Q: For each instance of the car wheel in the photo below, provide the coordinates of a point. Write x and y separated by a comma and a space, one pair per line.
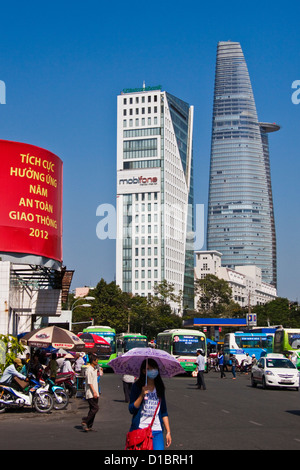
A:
253, 383
264, 385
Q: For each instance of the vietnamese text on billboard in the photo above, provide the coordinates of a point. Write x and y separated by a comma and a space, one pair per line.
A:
31, 200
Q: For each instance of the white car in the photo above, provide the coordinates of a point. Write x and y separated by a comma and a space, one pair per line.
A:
275, 370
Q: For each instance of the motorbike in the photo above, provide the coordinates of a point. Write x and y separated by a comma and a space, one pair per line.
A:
36, 397
60, 396
68, 381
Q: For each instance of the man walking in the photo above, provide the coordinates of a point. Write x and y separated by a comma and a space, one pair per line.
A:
200, 361
91, 393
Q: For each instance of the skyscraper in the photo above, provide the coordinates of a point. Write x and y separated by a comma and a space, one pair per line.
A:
240, 208
154, 192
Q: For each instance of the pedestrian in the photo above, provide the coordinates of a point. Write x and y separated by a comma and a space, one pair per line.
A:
200, 361
52, 367
91, 393
99, 375
66, 366
254, 360
35, 367
234, 364
294, 359
221, 363
79, 362
247, 363
127, 386
147, 393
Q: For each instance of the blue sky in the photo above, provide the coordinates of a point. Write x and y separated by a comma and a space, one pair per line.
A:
64, 63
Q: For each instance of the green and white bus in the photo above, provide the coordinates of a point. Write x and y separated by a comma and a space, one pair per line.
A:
287, 341
105, 354
183, 344
127, 341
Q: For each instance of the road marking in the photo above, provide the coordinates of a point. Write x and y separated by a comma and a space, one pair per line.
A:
254, 422
225, 411
298, 440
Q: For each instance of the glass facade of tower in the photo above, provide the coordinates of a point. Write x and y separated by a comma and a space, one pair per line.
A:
240, 208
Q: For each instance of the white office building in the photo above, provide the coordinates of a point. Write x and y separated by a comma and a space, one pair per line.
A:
154, 193
245, 281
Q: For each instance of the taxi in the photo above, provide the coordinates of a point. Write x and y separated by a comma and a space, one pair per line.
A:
275, 370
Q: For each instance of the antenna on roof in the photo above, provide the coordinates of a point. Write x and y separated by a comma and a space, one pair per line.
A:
144, 85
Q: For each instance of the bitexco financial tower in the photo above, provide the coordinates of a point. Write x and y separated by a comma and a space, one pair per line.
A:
240, 221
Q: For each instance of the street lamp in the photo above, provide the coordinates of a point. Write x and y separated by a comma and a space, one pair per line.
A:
81, 305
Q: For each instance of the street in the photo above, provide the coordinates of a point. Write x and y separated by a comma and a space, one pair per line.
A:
229, 415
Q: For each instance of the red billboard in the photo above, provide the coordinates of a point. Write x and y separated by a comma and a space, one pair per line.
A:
30, 200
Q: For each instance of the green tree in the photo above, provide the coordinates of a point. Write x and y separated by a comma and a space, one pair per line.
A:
214, 295
278, 312
164, 291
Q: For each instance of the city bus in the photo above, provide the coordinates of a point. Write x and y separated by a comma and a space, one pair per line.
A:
287, 341
183, 344
127, 341
109, 335
240, 343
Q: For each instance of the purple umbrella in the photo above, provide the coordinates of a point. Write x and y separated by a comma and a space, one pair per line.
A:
130, 362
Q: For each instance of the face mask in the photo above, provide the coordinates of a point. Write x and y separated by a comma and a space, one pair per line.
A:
152, 373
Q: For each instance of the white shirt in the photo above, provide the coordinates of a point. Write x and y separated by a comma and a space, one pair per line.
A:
91, 379
78, 363
200, 362
10, 372
67, 367
248, 359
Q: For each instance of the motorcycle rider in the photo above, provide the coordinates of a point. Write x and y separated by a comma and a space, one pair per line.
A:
12, 371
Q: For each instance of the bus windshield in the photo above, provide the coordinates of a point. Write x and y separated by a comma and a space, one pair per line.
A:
109, 337
130, 343
185, 345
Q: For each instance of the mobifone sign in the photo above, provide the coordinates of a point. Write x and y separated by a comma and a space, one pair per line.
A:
136, 181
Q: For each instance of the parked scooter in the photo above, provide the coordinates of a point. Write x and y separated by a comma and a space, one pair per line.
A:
60, 396
36, 397
68, 381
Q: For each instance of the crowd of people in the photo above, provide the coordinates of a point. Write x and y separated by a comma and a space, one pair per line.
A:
217, 362
39, 363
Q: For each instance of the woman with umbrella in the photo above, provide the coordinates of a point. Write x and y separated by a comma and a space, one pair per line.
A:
147, 396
